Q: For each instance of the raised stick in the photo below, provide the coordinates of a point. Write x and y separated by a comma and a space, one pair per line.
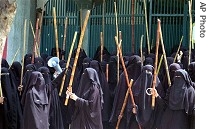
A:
127, 79
156, 62
123, 106
68, 61
180, 43
145, 14
77, 56
56, 32
20, 87
64, 37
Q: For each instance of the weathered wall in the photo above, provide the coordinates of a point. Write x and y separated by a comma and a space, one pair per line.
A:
26, 9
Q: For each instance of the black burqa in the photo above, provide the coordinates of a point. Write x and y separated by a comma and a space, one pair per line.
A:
180, 103
27, 59
171, 69
105, 54
88, 106
133, 70
35, 103
10, 111
66, 111
148, 117
26, 75
4, 63
85, 64
55, 116
39, 62
82, 55
16, 70
191, 71
106, 94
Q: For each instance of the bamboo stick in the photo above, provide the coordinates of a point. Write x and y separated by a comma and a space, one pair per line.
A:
141, 52
20, 87
107, 72
102, 45
190, 33
178, 49
77, 55
56, 32
36, 44
126, 77
64, 37
156, 61
124, 105
15, 56
146, 23
68, 61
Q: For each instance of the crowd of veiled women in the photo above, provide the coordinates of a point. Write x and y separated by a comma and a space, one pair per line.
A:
97, 93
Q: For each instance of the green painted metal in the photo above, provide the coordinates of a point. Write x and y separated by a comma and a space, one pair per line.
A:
172, 13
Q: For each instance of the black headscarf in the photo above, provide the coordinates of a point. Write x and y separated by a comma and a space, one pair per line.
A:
89, 104
191, 71
16, 70
82, 55
27, 59
26, 76
4, 63
44, 57
39, 62
106, 55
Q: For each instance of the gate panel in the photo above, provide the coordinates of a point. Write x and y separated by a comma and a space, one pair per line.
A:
48, 33
173, 14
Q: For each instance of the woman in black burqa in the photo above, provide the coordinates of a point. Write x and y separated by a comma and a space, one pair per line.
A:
148, 117
179, 103
88, 102
10, 110
35, 103
55, 116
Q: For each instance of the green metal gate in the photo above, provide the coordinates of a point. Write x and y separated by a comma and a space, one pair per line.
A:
172, 13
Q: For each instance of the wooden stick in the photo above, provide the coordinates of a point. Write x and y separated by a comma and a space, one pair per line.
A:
132, 26
36, 44
102, 45
126, 77
103, 24
64, 37
77, 56
160, 63
146, 23
56, 32
190, 33
141, 52
20, 87
123, 106
178, 49
35, 41
117, 34
40, 29
164, 56
15, 56
107, 72
156, 61
68, 61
